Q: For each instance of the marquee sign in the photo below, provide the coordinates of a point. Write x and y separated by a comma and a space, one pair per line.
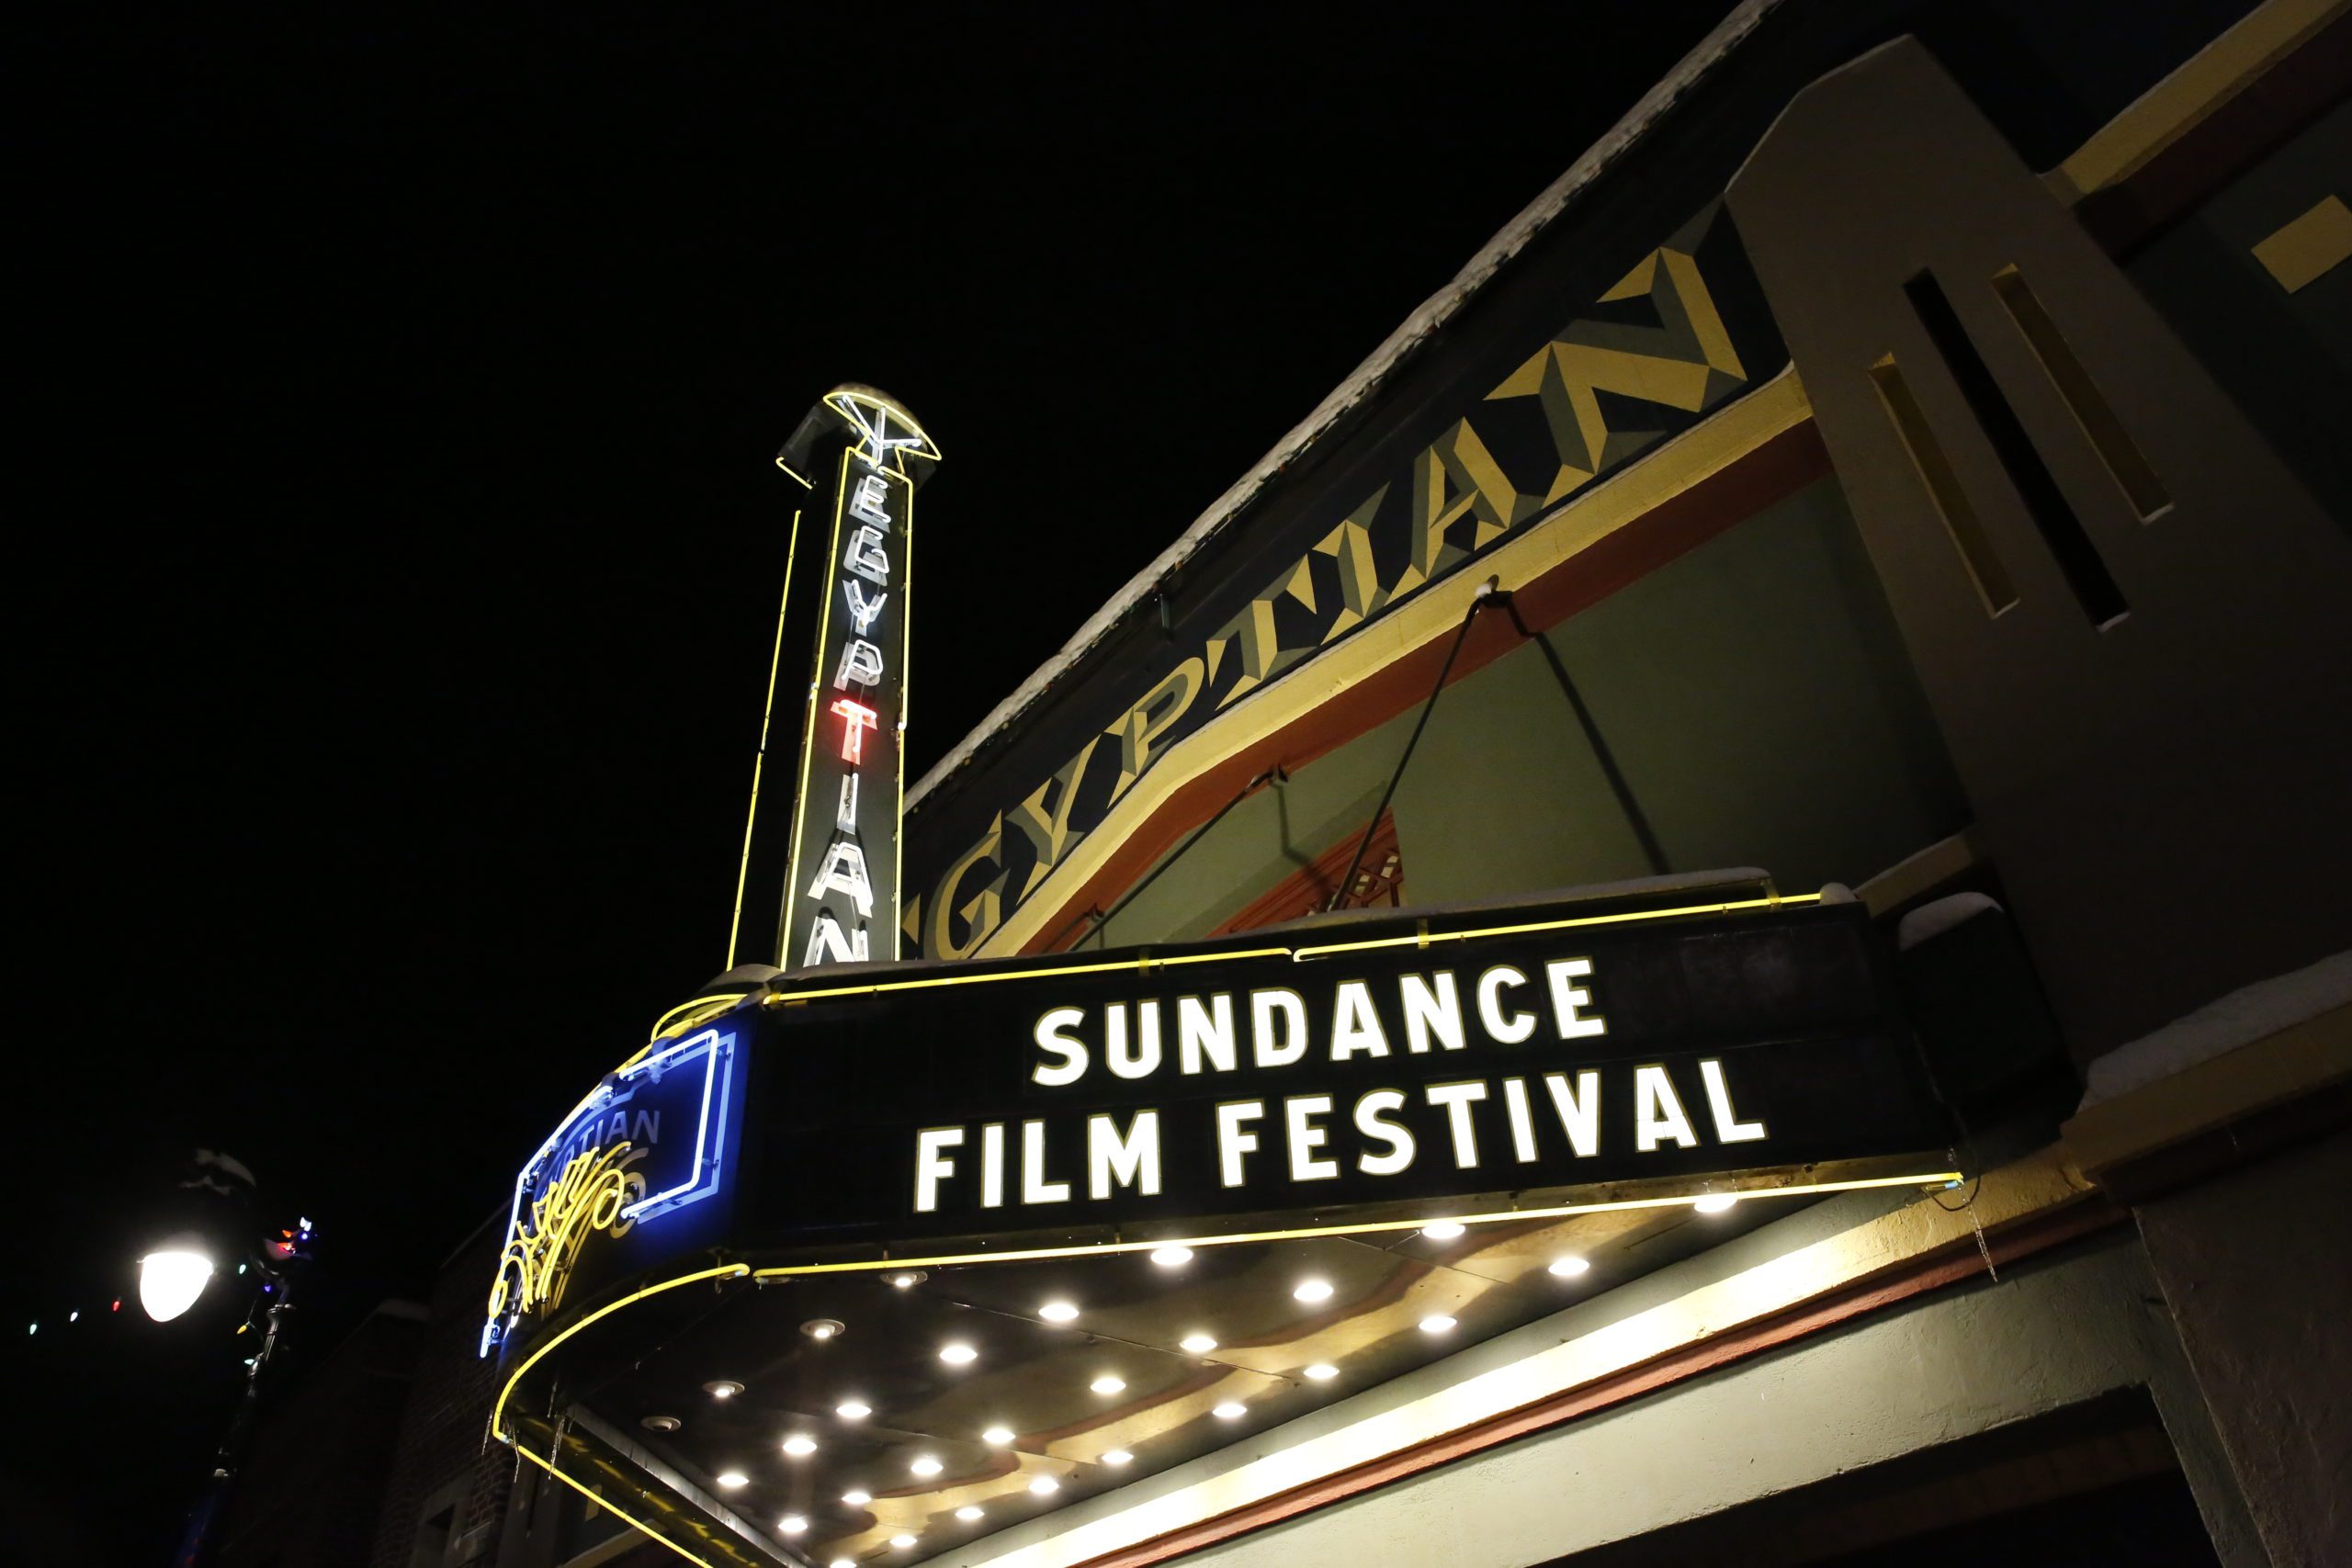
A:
841, 894
1371, 1072
1477, 1066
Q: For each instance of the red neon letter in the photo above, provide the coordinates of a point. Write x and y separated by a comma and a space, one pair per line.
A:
861, 719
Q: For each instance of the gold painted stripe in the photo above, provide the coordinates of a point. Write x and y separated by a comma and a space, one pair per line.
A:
2184, 100
1620, 499
2303, 252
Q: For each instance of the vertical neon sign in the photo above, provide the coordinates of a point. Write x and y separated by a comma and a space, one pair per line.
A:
841, 894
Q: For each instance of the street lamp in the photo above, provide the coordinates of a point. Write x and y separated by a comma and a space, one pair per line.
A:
170, 1278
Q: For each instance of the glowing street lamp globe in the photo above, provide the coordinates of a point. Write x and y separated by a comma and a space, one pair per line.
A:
170, 1280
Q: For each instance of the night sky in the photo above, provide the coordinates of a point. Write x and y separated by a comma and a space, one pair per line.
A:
397, 537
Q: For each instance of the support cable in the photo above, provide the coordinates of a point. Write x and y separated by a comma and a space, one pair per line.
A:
1485, 595
1103, 917
1600, 752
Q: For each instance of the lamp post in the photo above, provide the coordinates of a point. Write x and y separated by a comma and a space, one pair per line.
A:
210, 1220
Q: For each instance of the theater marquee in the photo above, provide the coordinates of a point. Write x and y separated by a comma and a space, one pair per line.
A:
1371, 1073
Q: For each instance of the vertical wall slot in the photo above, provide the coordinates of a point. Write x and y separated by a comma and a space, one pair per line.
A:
2078, 558
2105, 433
1936, 476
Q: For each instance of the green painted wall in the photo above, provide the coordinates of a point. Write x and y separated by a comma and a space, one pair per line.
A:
1755, 693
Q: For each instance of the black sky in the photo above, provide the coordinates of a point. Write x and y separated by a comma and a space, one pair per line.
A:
397, 541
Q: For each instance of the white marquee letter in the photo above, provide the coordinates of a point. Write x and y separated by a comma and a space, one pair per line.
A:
1144, 1060
1205, 1034
1051, 1034
865, 556
1658, 1111
1508, 1030
1580, 1110
1263, 1005
932, 1163
1305, 1137
1729, 1128
1355, 1028
1567, 999
1034, 1188
1233, 1140
1432, 1013
1131, 1161
862, 609
860, 665
1372, 1111
1457, 1098
827, 946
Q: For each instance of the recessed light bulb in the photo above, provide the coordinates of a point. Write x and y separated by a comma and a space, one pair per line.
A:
842, 1562
1714, 1202
1230, 1411
1107, 1383
957, 1354
1444, 1229
722, 1389
1436, 1323
1197, 1344
926, 1465
1171, 1257
1117, 1456
857, 1496
852, 1410
1568, 1268
1313, 1291
1045, 1487
1057, 1311
733, 1479
906, 1281
997, 1436
792, 1524
801, 1445
971, 1511
902, 1541
1322, 1371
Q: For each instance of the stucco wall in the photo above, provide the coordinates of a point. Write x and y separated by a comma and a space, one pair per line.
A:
2258, 1268
2046, 1337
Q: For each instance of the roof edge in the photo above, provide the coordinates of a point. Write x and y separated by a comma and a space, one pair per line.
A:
1368, 377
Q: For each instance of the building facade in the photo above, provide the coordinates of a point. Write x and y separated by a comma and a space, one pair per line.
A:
1897, 472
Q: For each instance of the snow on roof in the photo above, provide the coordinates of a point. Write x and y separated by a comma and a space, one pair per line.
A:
1369, 378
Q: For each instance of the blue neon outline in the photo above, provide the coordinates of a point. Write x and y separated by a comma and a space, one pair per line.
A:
710, 1152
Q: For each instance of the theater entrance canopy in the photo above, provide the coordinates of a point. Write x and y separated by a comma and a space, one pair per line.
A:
878, 1259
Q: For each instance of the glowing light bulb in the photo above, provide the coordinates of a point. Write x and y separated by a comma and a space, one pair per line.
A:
1171, 1257
852, 1410
1107, 1383
971, 1511
1045, 1487
169, 1282
1322, 1371
926, 1465
1436, 1323
1231, 1410
801, 1445
792, 1524
903, 1540
1312, 1290
734, 1478
1057, 1311
1444, 1229
997, 1436
957, 1354
1117, 1456
1714, 1202
1197, 1344
857, 1496
1568, 1268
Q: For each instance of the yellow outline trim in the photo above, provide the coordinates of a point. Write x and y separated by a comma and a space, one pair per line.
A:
760, 757
731, 1270
616, 1510
1924, 1179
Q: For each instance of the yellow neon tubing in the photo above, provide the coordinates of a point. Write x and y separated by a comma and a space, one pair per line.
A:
1147, 962
1924, 1178
634, 1523
732, 1270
